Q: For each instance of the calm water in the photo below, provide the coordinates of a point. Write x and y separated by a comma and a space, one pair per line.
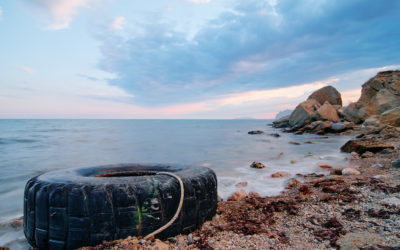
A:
32, 147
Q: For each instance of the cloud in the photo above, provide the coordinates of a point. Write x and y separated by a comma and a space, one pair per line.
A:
1, 11
198, 1
256, 45
61, 12
118, 23
27, 69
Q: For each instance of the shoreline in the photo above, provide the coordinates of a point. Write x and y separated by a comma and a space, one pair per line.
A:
348, 211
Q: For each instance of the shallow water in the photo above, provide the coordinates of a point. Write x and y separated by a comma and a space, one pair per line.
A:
32, 147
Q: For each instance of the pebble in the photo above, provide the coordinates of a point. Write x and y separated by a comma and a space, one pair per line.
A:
350, 171
257, 164
377, 166
294, 142
396, 164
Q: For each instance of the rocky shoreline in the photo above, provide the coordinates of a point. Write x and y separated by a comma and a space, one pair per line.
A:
351, 207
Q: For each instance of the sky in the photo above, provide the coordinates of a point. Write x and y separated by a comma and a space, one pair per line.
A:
187, 59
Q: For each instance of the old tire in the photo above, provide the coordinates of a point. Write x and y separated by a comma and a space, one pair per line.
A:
71, 208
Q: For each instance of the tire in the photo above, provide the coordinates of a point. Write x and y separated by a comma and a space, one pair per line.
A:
71, 208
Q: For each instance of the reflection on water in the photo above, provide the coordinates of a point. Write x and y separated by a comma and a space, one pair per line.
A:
32, 147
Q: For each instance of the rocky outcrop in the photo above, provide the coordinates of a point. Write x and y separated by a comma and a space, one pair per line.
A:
304, 112
362, 145
281, 122
391, 117
378, 95
327, 94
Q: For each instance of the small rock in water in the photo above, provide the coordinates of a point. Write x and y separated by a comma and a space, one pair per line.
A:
377, 166
337, 126
392, 202
367, 155
292, 161
325, 166
350, 171
238, 195
275, 135
336, 171
253, 194
292, 183
17, 222
257, 164
280, 154
280, 174
241, 184
294, 142
255, 132
308, 142
396, 164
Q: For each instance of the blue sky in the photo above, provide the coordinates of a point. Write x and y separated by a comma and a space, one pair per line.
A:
187, 58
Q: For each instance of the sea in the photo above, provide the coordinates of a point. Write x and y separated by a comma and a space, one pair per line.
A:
31, 147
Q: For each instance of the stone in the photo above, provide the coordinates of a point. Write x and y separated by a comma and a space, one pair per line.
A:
280, 174
391, 202
359, 240
336, 171
352, 113
295, 143
253, 194
258, 165
396, 164
387, 151
275, 135
355, 155
292, 183
241, 184
328, 93
350, 171
373, 120
238, 195
391, 117
367, 155
362, 145
377, 165
303, 113
282, 122
326, 112
324, 166
158, 244
283, 113
338, 126
255, 132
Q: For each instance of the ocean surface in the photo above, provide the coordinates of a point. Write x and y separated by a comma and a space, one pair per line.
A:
32, 147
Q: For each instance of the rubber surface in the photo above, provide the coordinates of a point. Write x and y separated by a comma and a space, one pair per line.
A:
71, 208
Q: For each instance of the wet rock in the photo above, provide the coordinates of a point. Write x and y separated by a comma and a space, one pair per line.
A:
281, 122
350, 171
303, 113
354, 156
280, 174
253, 194
238, 195
362, 145
275, 135
377, 166
255, 132
391, 117
258, 165
396, 164
359, 240
17, 222
336, 171
367, 155
292, 183
324, 166
295, 143
392, 202
327, 93
326, 112
241, 184
309, 142
293, 161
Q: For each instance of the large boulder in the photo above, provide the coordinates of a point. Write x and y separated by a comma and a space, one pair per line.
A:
363, 145
380, 94
391, 117
327, 112
327, 93
282, 122
303, 113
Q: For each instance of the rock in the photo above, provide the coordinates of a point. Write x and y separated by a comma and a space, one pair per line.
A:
373, 120
362, 145
391, 117
257, 164
283, 113
303, 113
367, 155
391, 202
241, 184
396, 164
355, 156
326, 112
324, 166
280, 174
292, 183
158, 244
327, 93
359, 240
16, 223
352, 112
238, 195
253, 194
386, 151
189, 239
336, 171
281, 122
350, 171
309, 142
377, 166
338, 126
275, 135
292, 161
295, 143
255, 132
